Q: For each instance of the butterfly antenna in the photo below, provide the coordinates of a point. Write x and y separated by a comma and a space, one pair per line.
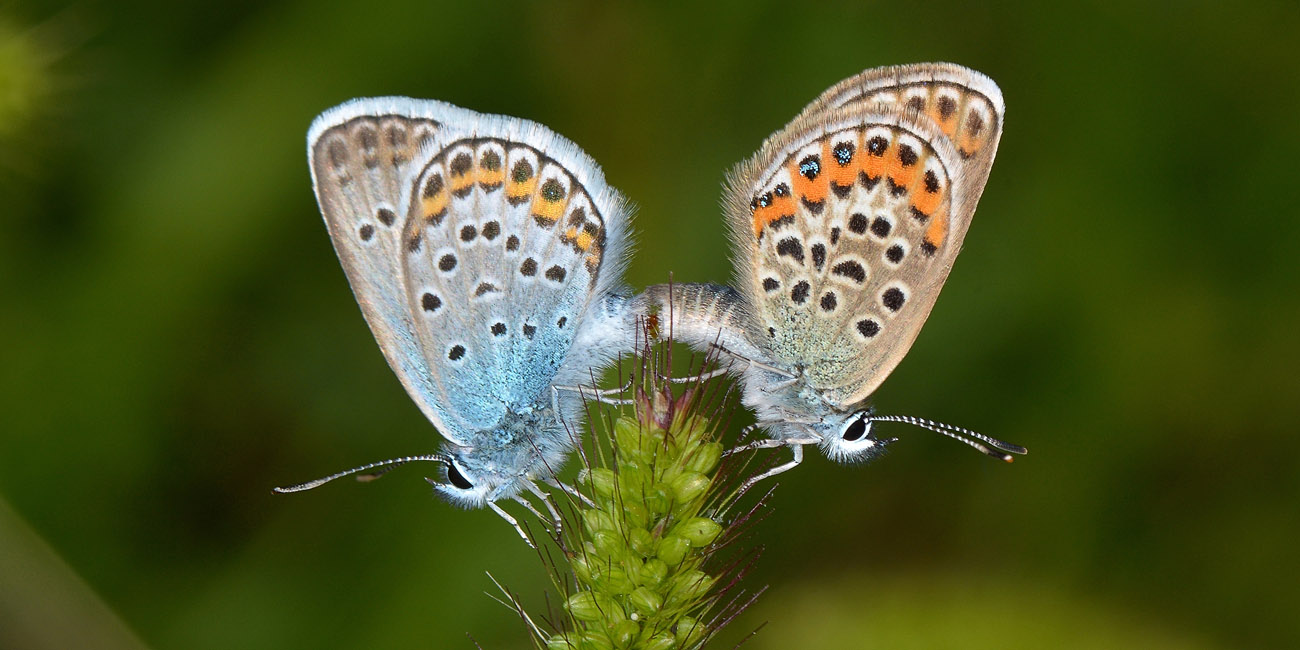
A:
985, 444
382, 467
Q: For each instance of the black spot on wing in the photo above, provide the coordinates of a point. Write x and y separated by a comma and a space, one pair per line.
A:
790, 247
858, 223
880, 227
947, 106
800, 292
868, 327
893, 299
850, 269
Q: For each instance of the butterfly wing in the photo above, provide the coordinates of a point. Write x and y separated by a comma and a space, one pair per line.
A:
847, 222
476, 255
965, 104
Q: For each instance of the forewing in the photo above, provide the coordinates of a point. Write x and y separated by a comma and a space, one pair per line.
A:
511, 238
475, 251
362, 155
964, 104
846, 225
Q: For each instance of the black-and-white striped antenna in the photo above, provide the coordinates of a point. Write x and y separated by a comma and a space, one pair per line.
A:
985, 444
365, 474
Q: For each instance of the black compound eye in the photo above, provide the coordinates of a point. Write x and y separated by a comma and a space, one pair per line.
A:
855, 430
457, 479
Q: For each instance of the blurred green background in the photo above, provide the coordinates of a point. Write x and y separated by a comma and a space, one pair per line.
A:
177, 336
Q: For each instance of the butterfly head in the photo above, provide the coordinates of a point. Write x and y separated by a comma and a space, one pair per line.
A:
507, 459
849, 437
474, 477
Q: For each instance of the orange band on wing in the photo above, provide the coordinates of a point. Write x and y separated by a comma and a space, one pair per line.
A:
847, 174
461, 174
490, 178
778, 207
434, 206
548, 210
872, 165
812, 189
517, 190
938, 229
926, 202
902, 175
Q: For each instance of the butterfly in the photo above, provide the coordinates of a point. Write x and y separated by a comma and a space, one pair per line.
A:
844, 227
485, 252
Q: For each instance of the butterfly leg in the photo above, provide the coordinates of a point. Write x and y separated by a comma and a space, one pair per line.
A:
795, 447
702, 377
511, 520
771, 443
755, 364
557, 523
599, 395
571, 491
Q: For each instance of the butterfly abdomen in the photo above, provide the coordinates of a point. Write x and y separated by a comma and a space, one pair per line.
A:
699, 315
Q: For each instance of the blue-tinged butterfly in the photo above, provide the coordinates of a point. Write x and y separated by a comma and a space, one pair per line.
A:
485, 252
845, 225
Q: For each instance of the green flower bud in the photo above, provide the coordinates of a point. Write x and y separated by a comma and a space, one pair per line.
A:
592, 640
641, 541
624, 633
645, 601
658, 499
689, 586
592, 606
705, 458
627, 433
615, 581
594, 520
653, 573
661, 641
689, 486
689, 631
601, 480
581, 564
560, 642
672, 549
608, 544
699, 531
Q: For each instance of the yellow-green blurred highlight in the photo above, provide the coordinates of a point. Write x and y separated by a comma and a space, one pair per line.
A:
25, 87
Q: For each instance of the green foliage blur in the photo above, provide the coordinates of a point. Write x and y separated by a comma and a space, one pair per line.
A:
177, 337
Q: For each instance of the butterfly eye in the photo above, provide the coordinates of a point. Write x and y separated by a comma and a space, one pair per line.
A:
457, 479
855, 430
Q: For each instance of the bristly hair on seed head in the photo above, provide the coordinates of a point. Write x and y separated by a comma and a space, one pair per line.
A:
655, 498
